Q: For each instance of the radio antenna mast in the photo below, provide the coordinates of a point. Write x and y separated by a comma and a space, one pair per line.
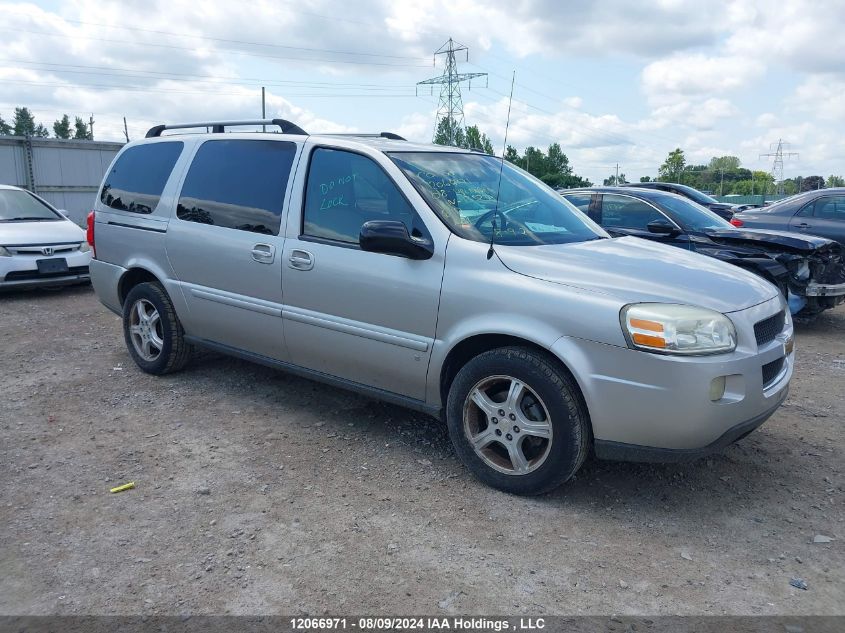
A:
490, 251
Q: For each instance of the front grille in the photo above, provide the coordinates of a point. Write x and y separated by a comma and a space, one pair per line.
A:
26, 275
39, 250
766, 330
771, 371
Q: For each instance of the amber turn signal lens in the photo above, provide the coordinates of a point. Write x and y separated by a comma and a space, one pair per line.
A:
652, 326
647, 339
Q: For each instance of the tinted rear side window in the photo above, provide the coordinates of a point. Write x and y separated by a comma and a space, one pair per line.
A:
238, 185
137, 179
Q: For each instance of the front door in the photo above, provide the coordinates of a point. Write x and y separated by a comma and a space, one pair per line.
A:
364, 317
824, 216
225, 244
625, 215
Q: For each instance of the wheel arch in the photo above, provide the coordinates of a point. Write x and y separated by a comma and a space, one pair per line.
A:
467, 349
131, 278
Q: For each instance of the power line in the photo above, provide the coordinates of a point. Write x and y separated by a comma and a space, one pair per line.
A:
41, 84
157, 74
229, 50
245, 42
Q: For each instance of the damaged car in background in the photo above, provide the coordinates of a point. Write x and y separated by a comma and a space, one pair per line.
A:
809, 270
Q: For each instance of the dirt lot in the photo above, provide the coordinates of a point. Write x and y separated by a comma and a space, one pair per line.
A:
258, 492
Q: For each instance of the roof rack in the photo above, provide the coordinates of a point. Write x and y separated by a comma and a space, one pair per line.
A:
218, 127
391, 135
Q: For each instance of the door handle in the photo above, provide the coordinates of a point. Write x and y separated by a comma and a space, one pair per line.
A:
804, 225
264, 253
301, 260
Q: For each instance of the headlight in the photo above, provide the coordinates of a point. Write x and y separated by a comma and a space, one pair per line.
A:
84, 247
4, 252
677, 329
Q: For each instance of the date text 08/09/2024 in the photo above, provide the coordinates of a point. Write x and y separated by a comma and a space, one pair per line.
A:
417, 624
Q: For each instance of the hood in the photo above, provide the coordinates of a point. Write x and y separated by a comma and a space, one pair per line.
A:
634, 270
772, 240
49, 232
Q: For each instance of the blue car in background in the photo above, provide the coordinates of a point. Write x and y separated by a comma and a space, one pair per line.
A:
808, 270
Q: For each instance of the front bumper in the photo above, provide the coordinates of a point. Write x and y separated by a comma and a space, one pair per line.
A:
648, 404
825, 290
21, 271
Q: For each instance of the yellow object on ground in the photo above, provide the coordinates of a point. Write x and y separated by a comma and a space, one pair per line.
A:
128, 486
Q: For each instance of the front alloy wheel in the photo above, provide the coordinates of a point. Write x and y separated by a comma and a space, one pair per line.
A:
517, 420
507, 425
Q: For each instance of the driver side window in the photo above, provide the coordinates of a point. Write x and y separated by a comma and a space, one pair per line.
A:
344, 191
627, 213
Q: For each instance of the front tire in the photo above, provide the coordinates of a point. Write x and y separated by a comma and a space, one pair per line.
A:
154, 336
517, 421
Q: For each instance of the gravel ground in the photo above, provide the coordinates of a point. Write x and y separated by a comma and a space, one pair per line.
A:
262, 493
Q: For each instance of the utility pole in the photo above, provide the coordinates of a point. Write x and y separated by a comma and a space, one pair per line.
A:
722, 182
263, 111
777, 154
616, 182
125, 130
91, 126
451, 106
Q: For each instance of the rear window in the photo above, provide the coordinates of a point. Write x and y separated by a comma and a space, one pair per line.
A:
137, 179
238, 184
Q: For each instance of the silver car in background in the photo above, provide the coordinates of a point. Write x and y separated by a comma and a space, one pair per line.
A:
442, 280
39, 246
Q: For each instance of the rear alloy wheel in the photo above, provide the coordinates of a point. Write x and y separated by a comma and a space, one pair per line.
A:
154, 336
517, 420
145, 330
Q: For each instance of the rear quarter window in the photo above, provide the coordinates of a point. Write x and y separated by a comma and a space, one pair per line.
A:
137, 179
238, 184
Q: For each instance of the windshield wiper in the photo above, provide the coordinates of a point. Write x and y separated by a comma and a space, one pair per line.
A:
26, 219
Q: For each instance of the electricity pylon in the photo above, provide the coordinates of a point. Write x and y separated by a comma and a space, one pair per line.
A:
451, 106
776, 153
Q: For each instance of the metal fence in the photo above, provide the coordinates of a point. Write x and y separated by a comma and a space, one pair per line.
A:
66, 173
750, 199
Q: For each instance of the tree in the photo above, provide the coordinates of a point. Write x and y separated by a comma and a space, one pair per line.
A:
674, 165
835, 181
645, 178
511, 155
612, 180
81, 130
24, 124
5, 128
724, 163
476, 139
61, 128
812, 182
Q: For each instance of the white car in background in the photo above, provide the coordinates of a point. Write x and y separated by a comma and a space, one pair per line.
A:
39, 246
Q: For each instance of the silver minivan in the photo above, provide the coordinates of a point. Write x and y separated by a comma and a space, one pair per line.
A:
439, 279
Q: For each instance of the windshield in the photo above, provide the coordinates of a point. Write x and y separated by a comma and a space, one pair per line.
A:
462, 190
20, 206
691, 216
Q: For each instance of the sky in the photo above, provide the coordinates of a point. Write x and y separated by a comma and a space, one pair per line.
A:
612, 81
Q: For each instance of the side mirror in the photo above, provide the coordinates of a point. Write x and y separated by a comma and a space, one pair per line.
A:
662, 227
392, 238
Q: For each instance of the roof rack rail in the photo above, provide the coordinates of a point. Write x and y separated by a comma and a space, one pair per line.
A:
218, 127
391, 135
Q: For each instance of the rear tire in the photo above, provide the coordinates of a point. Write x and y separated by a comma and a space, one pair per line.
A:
517, 421
154, 336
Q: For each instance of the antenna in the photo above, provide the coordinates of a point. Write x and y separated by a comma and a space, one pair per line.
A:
490, 251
